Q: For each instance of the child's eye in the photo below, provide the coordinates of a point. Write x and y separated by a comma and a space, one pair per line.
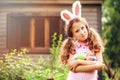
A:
77, 31
82, 27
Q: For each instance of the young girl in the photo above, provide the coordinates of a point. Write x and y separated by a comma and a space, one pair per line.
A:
83, 48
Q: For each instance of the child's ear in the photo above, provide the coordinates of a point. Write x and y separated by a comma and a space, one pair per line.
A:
76, 9
66, 15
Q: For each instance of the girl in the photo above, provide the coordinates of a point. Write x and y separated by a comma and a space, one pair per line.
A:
83, 48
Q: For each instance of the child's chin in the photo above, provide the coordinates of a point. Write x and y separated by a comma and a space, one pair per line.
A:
82, 40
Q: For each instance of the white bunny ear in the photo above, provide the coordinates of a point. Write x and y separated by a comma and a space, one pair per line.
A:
76, 8
66, 16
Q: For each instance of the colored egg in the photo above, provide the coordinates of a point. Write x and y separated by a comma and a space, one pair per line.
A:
89, 58
90, 54
81, 56
94, 58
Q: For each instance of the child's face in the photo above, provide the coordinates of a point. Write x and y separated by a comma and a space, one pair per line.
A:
79, 31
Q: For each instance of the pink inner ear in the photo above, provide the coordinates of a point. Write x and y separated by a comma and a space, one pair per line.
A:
77, 10
66, 16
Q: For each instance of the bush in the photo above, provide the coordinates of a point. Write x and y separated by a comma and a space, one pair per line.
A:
17, 66
60, 72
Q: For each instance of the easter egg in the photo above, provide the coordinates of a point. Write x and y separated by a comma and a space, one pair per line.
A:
90, 54
81, 56
89, 58
94, 58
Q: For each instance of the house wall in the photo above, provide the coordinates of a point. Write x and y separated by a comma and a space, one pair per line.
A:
91, 10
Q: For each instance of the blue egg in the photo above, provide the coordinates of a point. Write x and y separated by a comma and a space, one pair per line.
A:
94, 58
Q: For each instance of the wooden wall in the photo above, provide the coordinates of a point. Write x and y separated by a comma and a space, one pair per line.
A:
91, 10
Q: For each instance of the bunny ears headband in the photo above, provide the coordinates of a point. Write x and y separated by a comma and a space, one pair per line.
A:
67, 16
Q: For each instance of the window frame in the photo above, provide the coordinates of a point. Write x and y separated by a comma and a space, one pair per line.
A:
46, 32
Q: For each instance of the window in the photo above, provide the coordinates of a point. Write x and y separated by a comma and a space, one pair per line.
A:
32, 32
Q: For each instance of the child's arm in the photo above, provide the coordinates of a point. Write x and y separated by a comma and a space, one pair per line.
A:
73, 63
77, 65
87, 68
80, 62
84, 66
99, 57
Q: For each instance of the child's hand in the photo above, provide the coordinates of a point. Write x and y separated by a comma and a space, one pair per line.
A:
99, 65
73, 64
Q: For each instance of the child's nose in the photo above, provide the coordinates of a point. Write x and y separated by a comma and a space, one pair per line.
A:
81, 32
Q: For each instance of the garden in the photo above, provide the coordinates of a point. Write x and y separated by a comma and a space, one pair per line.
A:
17, 66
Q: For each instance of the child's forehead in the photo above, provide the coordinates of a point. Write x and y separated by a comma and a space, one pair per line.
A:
78, 24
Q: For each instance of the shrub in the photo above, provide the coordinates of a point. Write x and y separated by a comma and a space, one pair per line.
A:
60, 72
17, 66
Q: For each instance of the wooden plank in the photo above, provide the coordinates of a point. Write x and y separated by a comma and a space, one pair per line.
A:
89, 8
50, 1
47, 32
32, 33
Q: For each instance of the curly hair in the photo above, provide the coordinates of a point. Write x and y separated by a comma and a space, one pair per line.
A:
67, 48
94, 41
